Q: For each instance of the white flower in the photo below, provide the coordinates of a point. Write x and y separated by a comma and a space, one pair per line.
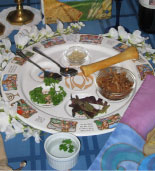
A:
25, 32
7, 55
34, 33
10, 110
7, 43
36, 135
146, 48
112, 33
81, 24
25, 29
75, 25
150, 50
123, 35
5, 125
136, 38
49, 32
46, 32
27, 133
10, 133
18, 127
21, 40
4, 64
60, 28
4, 121
2, 50
69, 30
42, 33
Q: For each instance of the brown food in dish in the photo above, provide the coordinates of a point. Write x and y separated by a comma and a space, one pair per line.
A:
129, 53
113, 85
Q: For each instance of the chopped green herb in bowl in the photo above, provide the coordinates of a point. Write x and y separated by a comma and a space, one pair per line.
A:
67, 146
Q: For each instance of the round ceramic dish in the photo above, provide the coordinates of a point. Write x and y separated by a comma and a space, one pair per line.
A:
76, 55
19, 78
115, 83
59, 159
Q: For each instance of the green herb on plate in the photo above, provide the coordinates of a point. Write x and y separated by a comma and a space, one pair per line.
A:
53, 96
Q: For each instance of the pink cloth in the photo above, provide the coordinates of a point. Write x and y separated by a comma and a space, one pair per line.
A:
140, 114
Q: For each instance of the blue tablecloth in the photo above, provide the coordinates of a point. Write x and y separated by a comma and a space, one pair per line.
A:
18, 150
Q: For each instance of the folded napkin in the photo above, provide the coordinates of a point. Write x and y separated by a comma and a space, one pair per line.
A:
3, 158
124, 148
140, 114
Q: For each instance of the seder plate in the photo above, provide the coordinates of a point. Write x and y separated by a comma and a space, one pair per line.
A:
20, 77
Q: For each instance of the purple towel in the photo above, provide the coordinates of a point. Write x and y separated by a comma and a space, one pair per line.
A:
140, 114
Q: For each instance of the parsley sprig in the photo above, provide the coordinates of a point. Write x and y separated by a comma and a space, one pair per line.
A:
53, 96
67, 145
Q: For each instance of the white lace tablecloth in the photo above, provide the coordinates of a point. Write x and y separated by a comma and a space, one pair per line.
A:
9, 27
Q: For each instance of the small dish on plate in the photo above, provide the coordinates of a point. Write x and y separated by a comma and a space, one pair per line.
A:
115, 83
76, 55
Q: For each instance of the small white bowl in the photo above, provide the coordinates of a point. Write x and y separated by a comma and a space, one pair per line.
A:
59, 159
76, 55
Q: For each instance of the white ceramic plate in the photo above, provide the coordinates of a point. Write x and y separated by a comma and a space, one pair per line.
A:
59, 118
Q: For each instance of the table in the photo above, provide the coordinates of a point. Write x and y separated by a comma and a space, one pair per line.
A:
18, 150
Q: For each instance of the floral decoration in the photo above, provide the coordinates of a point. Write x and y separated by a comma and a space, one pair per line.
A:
9, 121
30, 35
134, 39
5, 53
